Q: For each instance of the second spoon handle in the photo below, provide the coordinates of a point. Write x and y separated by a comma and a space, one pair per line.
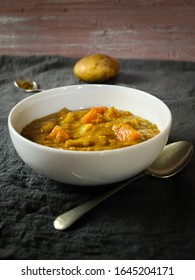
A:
68, 218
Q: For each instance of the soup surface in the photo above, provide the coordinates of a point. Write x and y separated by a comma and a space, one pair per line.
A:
93, 129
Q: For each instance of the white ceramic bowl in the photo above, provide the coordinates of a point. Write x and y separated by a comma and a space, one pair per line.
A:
93, 167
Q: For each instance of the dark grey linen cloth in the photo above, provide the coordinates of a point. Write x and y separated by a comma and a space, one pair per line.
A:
150, 219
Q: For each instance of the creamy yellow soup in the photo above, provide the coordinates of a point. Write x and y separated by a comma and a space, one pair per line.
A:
93, 129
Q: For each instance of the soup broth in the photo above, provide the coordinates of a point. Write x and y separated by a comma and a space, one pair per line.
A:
93, 129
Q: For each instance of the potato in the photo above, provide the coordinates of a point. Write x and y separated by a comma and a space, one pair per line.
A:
96, 68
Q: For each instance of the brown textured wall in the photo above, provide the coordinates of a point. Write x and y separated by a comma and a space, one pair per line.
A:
151, 29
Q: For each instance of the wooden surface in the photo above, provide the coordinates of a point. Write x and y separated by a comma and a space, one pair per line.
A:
151, 29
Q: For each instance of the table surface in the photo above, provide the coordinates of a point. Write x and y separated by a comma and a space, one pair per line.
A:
150, 219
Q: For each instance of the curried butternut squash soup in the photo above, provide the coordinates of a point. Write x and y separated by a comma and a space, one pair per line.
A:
94, 129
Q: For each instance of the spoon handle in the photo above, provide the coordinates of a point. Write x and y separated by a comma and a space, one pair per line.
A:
68, 218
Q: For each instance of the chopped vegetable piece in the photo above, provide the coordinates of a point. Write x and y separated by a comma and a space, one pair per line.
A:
83, 129
113, 113
73, 143
59, 134
125, 132
92, 117
99, 110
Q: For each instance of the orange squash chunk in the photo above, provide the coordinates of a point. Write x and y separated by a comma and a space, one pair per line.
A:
99, 110
125, 132
94, 116
59, 134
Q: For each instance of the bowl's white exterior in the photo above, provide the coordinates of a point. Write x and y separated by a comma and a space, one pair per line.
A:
89, 168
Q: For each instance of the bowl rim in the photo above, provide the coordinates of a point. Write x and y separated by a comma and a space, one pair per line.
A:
55, 150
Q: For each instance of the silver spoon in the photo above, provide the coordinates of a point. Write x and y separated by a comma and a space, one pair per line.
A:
27, 85
171, 160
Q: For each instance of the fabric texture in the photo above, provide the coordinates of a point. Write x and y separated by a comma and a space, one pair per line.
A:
150, 219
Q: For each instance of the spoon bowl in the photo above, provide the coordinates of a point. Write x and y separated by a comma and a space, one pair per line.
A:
170, 161
27, 85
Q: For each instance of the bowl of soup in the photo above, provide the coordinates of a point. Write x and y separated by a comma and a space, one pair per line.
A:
89, 134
